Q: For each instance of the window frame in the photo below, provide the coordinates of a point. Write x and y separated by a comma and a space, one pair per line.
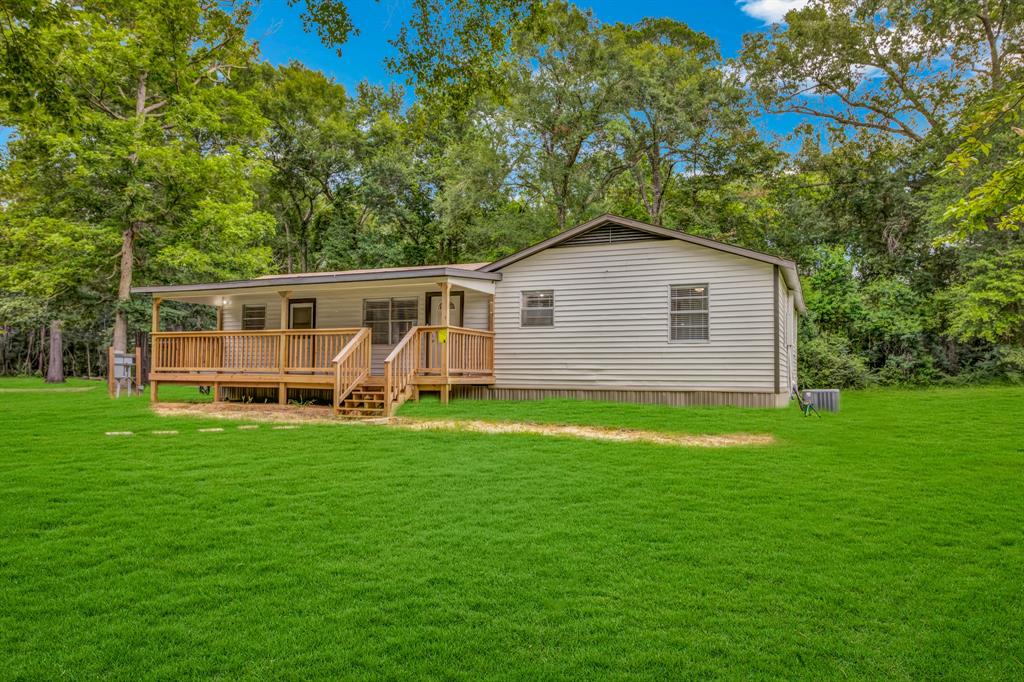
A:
707, 313
245, 308
391, 319
523, 295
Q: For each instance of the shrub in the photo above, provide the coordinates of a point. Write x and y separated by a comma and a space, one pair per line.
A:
826, 361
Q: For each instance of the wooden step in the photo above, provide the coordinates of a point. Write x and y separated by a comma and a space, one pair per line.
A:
365, 402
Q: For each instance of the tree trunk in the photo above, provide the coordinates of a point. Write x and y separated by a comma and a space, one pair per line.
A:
124, 285
55, 371
124, 288
42, 352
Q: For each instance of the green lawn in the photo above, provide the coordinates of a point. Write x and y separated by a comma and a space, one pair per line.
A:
883, 542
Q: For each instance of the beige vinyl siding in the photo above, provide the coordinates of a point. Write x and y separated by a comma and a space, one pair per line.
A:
791, 318
783, 325
341, 306
611, 326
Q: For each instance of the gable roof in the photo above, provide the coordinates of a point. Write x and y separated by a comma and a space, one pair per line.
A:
787, 267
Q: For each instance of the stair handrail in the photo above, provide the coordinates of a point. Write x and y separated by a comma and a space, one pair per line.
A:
400, 369
351, 366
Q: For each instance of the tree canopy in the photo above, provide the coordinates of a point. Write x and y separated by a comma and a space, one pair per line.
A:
152, 145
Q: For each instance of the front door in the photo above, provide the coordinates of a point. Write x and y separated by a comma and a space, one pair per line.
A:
302, 313
456, 305
455, 310
302, 348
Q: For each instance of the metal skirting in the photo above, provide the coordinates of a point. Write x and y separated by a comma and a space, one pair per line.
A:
674, 398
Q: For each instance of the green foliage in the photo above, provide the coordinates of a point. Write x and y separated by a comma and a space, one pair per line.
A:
529, 117
828, 361
989, 304
993, 142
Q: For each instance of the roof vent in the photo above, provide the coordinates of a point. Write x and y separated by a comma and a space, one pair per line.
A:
609, 233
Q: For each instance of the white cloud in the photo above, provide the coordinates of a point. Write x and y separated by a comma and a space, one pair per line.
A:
770, 11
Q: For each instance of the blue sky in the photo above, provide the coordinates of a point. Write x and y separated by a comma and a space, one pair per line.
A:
277, 28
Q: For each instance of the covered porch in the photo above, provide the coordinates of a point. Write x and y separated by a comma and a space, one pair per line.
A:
373, 338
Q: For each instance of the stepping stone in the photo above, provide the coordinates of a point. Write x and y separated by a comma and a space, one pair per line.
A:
284, 426
216, 430
164, 433
248, 427
120, 433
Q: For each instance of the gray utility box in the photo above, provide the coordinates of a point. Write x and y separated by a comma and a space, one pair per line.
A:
826, 399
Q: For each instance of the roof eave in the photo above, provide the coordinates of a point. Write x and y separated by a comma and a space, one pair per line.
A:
338, 278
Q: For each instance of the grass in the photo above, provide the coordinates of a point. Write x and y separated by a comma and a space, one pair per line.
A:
884, 541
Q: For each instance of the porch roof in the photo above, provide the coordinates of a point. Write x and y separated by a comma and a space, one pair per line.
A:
463, 270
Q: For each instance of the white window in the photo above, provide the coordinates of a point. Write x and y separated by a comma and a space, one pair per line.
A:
538, 308
389, 319
254, 317
688, 313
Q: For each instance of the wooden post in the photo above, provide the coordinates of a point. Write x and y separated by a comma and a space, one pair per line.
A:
110, 371
490, 313
138, 370
446, 297
220, 318
282, 387
155, 329
156, 314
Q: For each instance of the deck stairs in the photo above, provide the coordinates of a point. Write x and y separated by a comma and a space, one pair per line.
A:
365, 402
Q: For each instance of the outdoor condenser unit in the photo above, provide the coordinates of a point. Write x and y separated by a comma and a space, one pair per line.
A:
826, 399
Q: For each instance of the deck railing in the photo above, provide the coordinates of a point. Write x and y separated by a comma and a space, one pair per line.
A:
298, 351
351, 366
400, 370
432, 351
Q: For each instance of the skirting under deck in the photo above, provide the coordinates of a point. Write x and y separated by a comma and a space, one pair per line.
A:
675, 398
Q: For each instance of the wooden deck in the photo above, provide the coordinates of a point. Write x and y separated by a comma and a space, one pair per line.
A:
431, 357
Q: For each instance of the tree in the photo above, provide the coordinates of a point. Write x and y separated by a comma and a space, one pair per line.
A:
563, 94
313, 144
992, 146
989, 304
55, 366
902, 67
453, 50
124, 122
679, 113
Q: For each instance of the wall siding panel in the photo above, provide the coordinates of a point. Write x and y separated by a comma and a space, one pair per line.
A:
611, 321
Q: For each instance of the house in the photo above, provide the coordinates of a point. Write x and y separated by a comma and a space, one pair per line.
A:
612, 309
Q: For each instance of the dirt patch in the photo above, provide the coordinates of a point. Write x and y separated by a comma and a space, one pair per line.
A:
294, 414
589, 432
281, 414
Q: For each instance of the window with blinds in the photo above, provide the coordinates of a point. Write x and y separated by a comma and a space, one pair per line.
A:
538, 308
254, 317
389, 319
688, 313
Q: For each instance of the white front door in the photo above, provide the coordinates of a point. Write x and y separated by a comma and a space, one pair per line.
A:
455, 308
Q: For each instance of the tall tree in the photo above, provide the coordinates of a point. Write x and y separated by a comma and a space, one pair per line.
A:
680, 112
313, 144
123, 109
563, 93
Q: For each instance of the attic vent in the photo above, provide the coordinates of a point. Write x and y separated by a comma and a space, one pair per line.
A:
609, 234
